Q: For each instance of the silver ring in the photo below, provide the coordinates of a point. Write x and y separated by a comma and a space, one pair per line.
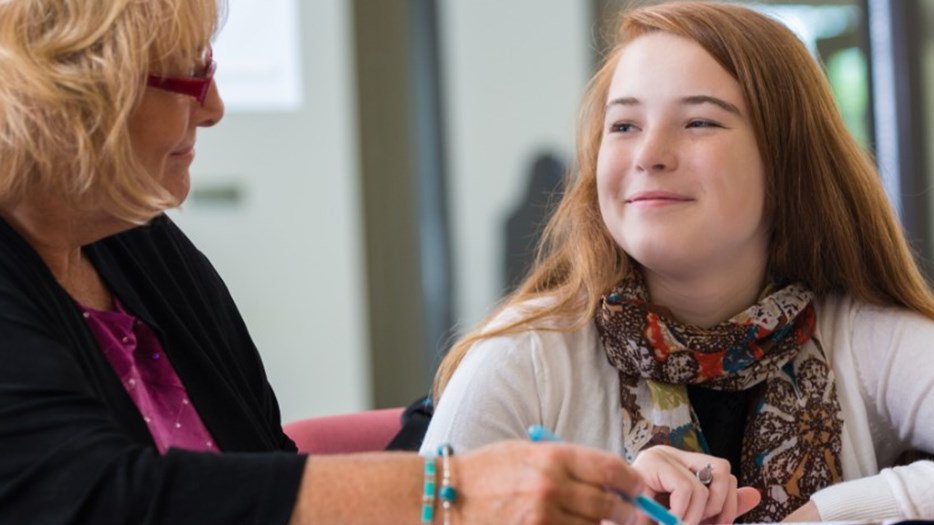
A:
705, 475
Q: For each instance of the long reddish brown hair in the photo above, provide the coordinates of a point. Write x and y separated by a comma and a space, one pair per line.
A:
833, 227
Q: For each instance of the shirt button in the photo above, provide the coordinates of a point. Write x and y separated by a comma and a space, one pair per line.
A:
147, 420
125, 340
184, 401
178, 425
86, 315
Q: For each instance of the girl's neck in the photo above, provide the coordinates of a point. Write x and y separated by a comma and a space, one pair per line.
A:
707, 299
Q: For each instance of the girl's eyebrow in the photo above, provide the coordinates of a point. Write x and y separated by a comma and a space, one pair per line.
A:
691, 100
706, 99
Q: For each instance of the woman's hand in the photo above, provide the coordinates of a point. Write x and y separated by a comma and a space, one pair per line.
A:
669, 474
523, 482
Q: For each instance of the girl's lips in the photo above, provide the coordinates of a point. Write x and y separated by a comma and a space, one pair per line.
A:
657, 197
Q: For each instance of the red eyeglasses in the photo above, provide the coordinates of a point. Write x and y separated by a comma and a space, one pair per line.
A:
194, 86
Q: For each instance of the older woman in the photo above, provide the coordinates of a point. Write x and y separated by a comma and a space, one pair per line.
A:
725, 276
130, 391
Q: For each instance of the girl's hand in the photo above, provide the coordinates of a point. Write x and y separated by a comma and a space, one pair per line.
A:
806, 512
669, 475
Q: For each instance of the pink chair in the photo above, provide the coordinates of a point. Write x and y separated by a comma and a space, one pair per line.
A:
366, 431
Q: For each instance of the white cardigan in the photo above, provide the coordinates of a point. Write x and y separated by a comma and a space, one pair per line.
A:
883, 359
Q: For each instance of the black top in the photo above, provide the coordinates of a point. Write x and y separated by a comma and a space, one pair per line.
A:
722, 415
415, 421
73, 447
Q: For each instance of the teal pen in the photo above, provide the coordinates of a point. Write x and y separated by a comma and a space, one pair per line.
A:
649, 506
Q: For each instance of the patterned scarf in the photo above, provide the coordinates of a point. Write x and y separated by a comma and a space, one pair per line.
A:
791, 443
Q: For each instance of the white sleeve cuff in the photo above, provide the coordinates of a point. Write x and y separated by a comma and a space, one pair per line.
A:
860, 499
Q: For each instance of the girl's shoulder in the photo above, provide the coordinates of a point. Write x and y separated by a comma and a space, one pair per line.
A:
554, 342
837, 312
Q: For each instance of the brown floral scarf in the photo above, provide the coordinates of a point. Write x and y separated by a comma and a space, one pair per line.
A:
792, 441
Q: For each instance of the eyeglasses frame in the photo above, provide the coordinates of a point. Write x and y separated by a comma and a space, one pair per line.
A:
197, 87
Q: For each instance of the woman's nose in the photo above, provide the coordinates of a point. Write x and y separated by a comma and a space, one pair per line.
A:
212, 111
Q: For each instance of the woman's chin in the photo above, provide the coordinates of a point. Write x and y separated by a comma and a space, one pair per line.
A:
178, 186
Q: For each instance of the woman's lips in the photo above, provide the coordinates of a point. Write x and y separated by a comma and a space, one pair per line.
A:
185, 152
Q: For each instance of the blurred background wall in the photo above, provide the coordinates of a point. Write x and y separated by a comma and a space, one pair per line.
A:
385, 165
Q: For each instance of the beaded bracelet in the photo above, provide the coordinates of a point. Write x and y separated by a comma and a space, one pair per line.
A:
448, 493
428, 491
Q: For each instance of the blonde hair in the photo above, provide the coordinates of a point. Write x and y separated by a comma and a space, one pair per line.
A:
72, 73
832, 226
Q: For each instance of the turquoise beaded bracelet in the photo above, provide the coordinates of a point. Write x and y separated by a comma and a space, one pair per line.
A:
428, 492
448, 493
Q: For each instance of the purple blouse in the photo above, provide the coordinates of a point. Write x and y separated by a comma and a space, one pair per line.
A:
136, 355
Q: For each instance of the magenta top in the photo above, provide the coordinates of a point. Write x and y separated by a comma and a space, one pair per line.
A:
136, 355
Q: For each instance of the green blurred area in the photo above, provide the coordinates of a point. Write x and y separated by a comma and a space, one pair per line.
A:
849, 78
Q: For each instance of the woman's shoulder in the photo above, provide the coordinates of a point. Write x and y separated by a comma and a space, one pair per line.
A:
158, 259
158, 245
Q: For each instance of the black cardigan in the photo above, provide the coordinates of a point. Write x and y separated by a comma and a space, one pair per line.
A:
73, 447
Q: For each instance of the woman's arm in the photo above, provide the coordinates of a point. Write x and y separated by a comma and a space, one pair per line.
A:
65, 459
509, 482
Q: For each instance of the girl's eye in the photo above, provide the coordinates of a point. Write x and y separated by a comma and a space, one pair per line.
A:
621, 127
703, 124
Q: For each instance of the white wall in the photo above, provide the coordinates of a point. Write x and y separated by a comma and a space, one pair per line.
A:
513, 75
290, 252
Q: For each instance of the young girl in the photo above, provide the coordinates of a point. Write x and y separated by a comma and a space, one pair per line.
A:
724, 283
